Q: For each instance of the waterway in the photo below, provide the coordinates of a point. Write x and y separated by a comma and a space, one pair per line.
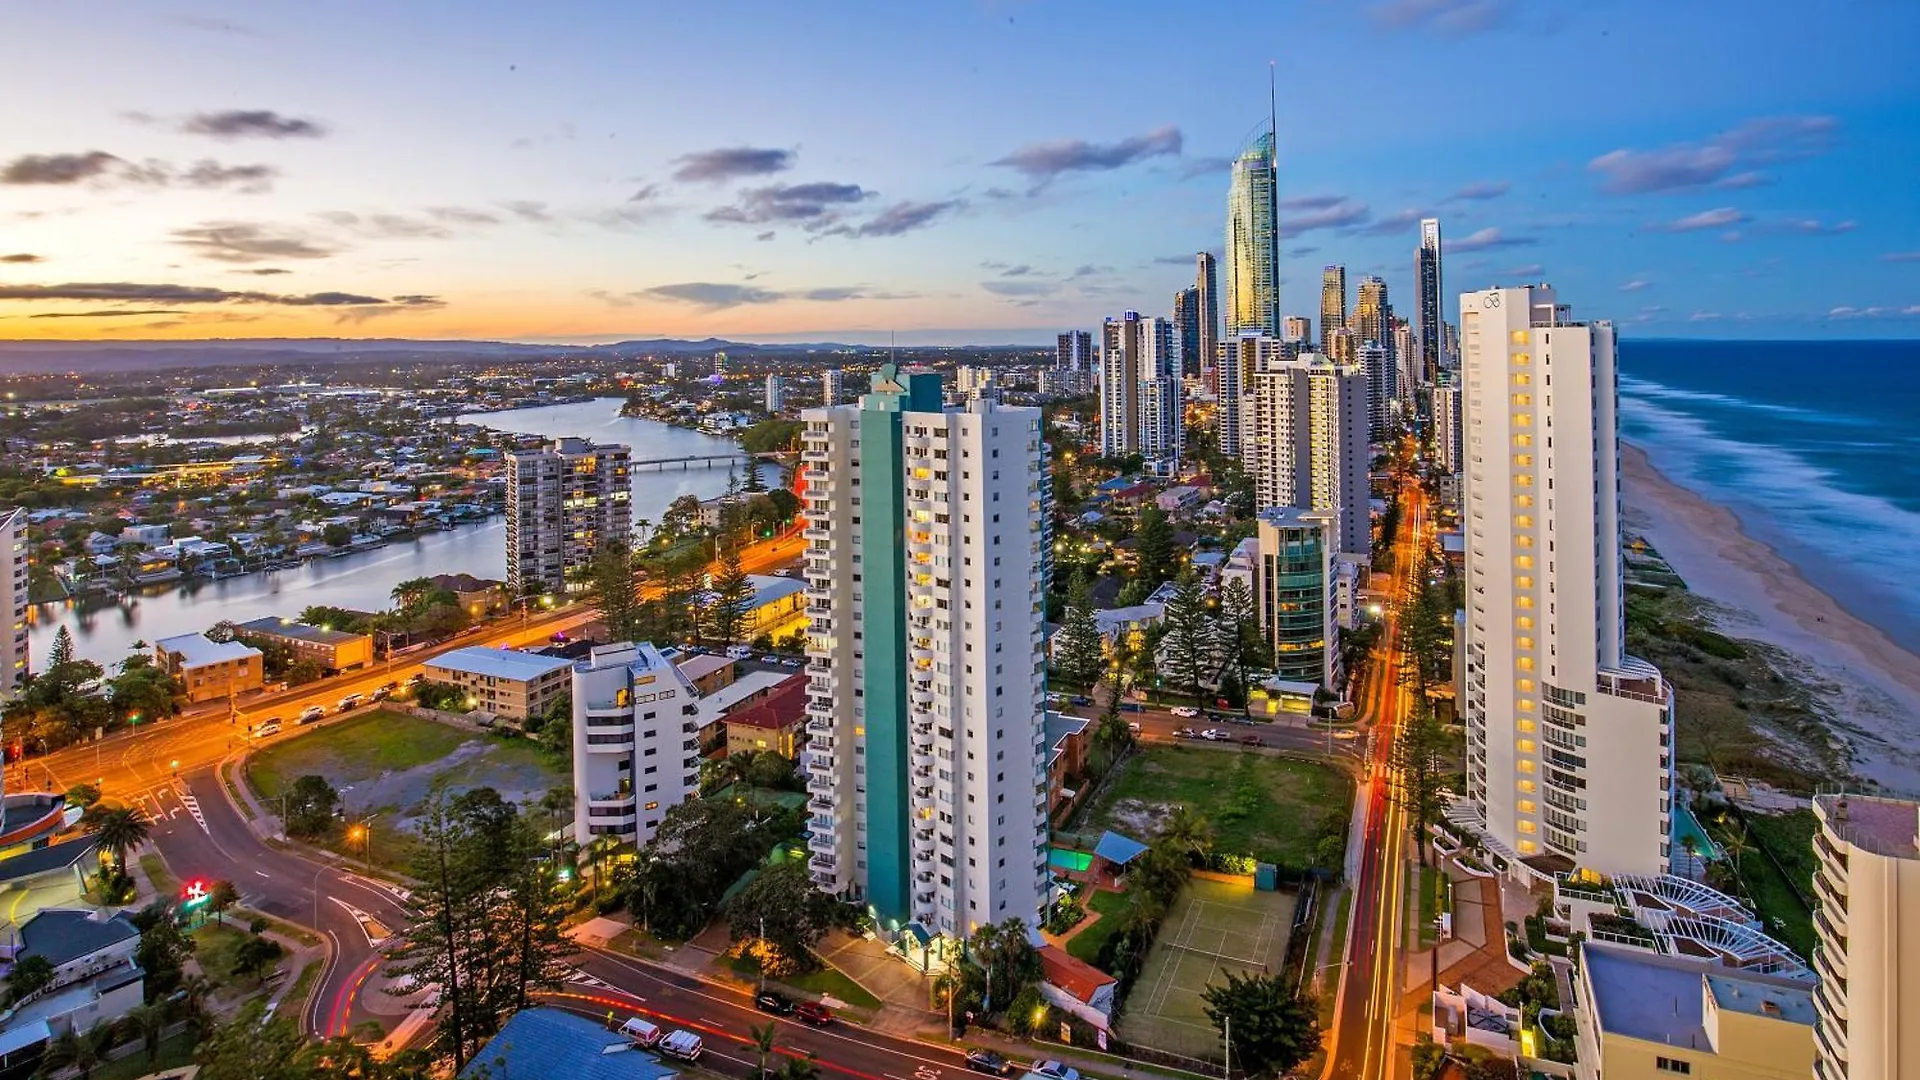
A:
105, 631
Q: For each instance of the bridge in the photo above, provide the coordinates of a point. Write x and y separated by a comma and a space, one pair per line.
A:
701, 461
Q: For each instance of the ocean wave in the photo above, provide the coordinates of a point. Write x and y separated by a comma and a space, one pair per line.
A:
1631, 386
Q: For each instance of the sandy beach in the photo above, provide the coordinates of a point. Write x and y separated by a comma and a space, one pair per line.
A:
1871, 683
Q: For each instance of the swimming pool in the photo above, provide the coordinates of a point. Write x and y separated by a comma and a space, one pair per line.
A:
1068, 859
1684, 825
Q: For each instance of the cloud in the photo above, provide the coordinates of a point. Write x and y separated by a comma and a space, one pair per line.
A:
131, 292
1397, 222
527, 210
1175, 260
1874, 312
462, 215
241, 242
385, 226
1042, 162
1302, 252
647, 193
763, 237
21, 257
1901, 257
57, 168
1718, 218
1206, 166
252, 124
1320, 212
1725, 160
813, 203
1020, 288
1704, 316
1634, 286
247, 179
1815, 227
264, 271
1009, 271
1486, 189
117, 314
716, 295
1454, 18
904, 217
1524, 271
1486, 240
731, 163
213, 25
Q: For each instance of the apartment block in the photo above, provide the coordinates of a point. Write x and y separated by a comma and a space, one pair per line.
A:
508, 683
563, 499
13, 601
636, 750
1867, 918
1293, 576
1304, 440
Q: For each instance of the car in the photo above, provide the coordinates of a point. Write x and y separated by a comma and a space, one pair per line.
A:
988, 1062
768, 1001
1345, 735
738, 652
1056, 699
1082, 699
350, 702
684, 1045
643, 1033
769, 658
270, 726
1185, 733
312, 713
790, 662
1059, 1070
1214, 734
1185, 712
1133, 726
812, 1012
1251, 740
416, 678
380, 693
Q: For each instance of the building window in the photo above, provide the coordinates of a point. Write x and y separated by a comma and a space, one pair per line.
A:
1672, 1065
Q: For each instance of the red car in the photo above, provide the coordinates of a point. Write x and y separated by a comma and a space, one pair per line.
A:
814, 1013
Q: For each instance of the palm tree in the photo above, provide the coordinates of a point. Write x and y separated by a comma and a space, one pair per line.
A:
798, 1068
121, 829
80, 1050
763, 1039
1187, 831
195, 989
147, 1023
1737, 844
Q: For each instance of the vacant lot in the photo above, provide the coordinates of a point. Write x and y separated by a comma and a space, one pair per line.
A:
385, 763
1285, 811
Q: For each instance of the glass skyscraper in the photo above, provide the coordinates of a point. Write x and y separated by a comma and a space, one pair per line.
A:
1253, 243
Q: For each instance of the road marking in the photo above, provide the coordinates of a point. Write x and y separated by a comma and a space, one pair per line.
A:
263, 874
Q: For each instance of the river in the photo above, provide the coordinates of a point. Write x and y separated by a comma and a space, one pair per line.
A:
105, 632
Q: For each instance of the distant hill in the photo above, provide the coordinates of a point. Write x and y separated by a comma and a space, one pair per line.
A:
39, 357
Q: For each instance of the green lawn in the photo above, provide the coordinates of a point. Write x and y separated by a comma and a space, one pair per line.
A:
827, 979
163, 880
302, 986
1427, 888
378, 742
213, 948
1111, 907
1785, 914
1286, 811
175, 1051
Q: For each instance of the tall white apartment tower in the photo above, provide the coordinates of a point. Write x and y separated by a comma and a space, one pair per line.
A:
1305, 444
776, 393
13, 600
1867, 886
1241, 358
833, 386
1162, 392
1446, 422
926, 771
1121, 363
1569, 752
1377, 361
636, 751
563, 499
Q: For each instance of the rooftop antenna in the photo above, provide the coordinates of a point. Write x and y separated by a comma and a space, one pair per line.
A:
1273, 113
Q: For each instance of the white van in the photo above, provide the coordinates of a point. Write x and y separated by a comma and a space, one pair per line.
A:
739, 652
684, 1045
643, 1033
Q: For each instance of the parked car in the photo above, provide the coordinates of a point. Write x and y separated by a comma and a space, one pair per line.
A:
1214, 734
350, 702
988, 1062
1185, 733
769, 658
684, 1045
790, 661
381, 693
1133, 726
1184, 711
644, 1033
312, 713
1082, 699
416, 678
738, 652
271, 726
768, 1001
812, 1012
1056, 1069
1251, 740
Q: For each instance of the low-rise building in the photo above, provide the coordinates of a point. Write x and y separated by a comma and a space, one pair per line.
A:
1644, 1015
1067, 743
207, 670
772, 722
708, 672
95, 979
776, 600
508, 683
1077, 987
334, 650
544, 1042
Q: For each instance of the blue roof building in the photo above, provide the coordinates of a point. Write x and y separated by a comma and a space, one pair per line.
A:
541, 1043
1117, 849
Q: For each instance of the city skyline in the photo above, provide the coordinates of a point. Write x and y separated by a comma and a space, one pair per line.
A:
457, 180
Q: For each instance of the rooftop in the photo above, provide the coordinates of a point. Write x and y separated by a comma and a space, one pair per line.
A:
768, 588
543, 1042
716, 704
198, 650
271, 624
1887, 827
781, 709
1118, 849
700, 665
499, 663
1073, 975
1059, 726
1662, 999
63, 935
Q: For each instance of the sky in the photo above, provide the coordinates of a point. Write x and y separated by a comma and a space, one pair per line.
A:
966, 171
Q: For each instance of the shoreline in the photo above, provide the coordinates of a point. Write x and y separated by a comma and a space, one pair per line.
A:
1869, 681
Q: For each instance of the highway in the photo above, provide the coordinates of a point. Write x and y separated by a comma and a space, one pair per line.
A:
1360, 1043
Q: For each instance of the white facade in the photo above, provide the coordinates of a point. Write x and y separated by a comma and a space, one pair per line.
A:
1304, 441
1241, 356
636, 751
1162, 393
1867, 885
926, 767
833, 386
1569, 738
1377, 361
13, 601
776, 393
563, 499
1446, 423
1121, 364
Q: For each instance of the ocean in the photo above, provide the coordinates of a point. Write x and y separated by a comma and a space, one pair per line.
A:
1814, 445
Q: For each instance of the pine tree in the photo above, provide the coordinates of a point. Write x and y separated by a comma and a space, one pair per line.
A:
732, 596
61, 653
1189, 636
753, 485
612, 588
1153, 545
1240, 626
1078, 649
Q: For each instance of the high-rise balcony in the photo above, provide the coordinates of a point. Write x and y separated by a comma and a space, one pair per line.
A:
822, 806
922, 760
611, 743
820, 785
823, 843
819, 728
815, 532
819, 765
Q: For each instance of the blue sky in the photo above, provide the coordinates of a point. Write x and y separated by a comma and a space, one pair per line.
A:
981, 171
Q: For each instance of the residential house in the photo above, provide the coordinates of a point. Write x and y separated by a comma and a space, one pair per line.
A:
543, 1042
771, 722
95, 978
1077, 987
708, 672
208, 670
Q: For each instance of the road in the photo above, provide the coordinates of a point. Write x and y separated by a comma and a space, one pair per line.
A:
140, 763
1361, 1039
201, 835
1290, 733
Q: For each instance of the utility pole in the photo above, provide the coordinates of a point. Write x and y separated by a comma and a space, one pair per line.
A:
1227, 1039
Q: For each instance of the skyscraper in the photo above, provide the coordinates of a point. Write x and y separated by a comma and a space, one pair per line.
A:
1292, 578
1333, 305
1426, 277
1296, 329
1239, 359
776, 393
1570, 738
927, 764
1186, 328
1074, 352
1206, 278
1866, 879
1162, 394
1446, 421
13, 600
1120, 368
1253, 242
1378, 364
1406, 362
1305, 444
1341, 346
636, 751
563, 499
1372, 313
833, 386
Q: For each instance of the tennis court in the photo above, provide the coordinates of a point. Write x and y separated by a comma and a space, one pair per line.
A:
1214, 928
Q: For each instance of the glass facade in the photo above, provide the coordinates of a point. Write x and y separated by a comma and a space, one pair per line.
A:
1253, 243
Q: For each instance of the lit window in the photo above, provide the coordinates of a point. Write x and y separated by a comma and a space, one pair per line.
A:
1524, 704
1523, 440
1524, 502
1525, 746
1518, 337
1522, 401
1522, 419
1521, 378
1523, 481
1524, 603
1528, 847
1525, 725
1523, 521
1524, 663
1523, 562
1526, 786
1523, 461
1523, 541
1525, 686
1526, 826
1520, 359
